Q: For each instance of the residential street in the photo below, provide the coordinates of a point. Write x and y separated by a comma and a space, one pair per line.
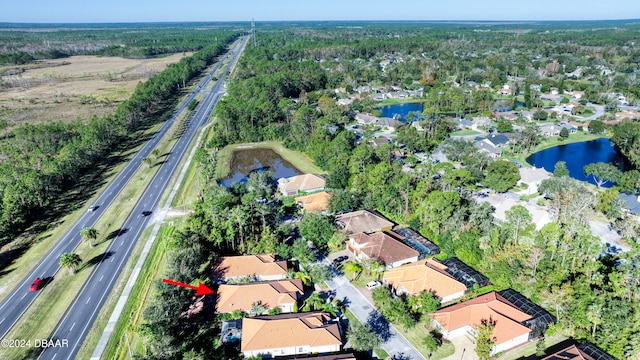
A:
394, 344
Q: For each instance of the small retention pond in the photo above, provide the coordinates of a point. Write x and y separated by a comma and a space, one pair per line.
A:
400, 110
245, 161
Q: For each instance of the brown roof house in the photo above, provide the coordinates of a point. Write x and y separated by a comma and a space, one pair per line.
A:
383, 247
260, 267
580, 352
300, 183
570, 353
281, 294
314, 202
425, 275
464, 318
290, 334
362, 221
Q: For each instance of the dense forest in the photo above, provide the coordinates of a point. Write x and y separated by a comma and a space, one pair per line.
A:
42, 162
289, 80
26, 43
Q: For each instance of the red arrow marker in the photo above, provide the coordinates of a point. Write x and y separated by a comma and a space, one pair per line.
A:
202, 289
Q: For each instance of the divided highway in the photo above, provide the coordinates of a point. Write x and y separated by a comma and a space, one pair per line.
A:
79, 317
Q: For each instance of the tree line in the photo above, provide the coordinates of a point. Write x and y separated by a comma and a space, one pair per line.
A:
41, 163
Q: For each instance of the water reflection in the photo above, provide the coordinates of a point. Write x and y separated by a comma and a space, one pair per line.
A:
245, 161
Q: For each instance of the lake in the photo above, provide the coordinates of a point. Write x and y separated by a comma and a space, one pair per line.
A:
245, 161
400, 110
577, 155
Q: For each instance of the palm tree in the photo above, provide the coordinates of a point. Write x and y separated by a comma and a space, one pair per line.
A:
353, 268
257, 308
71, 261
148, 161
306, 279
313, 302
89, 234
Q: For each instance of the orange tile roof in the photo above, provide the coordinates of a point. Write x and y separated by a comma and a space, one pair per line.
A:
363, 221
289, 330
270, 294
384, 247
570, 353
315, 202
238, 266
508, 318
305, 182
428, 274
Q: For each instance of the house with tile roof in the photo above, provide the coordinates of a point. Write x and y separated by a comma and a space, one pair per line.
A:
290, 334
584, 351
282, 294
425, 275
569, 353
300, 183
362, 221
314, 202
260, 267
384, 247
464, 318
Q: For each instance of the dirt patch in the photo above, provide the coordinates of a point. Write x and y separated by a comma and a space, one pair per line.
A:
72, 88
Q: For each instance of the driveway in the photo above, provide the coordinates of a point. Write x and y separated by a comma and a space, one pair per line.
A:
599, 112
392, 342
465, 349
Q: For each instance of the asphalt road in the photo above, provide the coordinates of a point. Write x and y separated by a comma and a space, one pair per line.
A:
391, 341
79, 317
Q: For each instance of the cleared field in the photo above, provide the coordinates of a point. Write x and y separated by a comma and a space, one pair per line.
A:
71, 88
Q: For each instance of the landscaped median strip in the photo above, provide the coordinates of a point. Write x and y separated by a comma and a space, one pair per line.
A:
122, 300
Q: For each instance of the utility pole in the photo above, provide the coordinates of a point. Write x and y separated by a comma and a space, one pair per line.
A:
253, 31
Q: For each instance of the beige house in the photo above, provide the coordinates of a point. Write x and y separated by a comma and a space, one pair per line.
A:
383, 247
282, 294
261, 267
363, 221
425, 275
290, 335
300, 183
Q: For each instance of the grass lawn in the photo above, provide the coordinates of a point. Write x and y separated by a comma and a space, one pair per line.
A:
386, 102
529, 348
464, 132
301, 161
418, 333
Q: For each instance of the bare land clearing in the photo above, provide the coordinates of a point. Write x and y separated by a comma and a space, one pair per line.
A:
71, 88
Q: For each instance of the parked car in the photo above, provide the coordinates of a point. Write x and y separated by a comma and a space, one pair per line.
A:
373, 284
339, 260
35, 285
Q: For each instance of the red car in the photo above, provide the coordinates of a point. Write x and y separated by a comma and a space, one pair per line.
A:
35, 285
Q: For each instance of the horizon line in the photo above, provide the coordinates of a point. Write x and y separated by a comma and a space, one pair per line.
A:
317, 20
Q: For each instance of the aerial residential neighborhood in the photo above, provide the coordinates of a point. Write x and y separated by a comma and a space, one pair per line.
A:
412, 180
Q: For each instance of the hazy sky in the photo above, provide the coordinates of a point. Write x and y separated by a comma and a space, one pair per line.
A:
267, 10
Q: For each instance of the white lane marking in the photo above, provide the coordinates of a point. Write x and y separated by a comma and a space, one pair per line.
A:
101, 278
112, 259
88, 300
54, 356
3, 320
25, 294
71, 328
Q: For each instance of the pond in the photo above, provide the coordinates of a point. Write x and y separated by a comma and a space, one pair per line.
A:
400, 110
245, 161
577, 155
